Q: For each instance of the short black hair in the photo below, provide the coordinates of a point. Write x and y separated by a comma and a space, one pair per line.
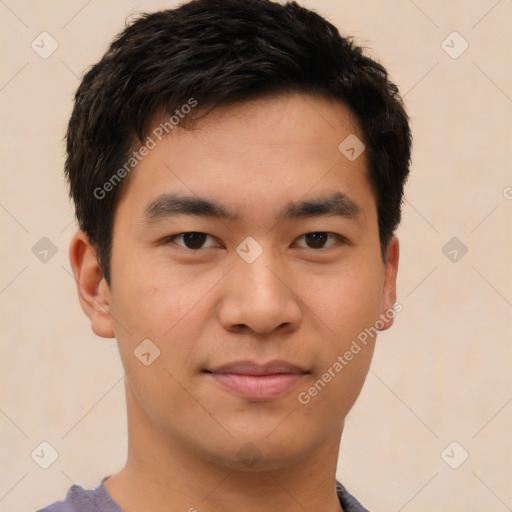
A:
213, 53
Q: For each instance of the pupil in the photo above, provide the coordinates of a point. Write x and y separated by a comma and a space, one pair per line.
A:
194, 240
316, 239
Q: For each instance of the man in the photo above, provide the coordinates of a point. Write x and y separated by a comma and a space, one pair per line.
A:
237, 169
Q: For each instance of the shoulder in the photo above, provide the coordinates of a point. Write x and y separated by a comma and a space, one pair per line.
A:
74, 498
348, 502
80, 500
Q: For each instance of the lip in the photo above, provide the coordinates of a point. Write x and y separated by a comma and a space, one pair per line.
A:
257, 382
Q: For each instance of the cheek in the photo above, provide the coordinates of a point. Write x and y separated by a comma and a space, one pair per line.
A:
346, 301
334, 390
345, 310
153, 298
346, 306
167, 307
168, 317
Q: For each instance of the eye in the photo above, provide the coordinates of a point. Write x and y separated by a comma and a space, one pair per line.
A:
318, 239
193, 240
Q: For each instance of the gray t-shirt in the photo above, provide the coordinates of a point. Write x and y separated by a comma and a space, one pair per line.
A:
99, 500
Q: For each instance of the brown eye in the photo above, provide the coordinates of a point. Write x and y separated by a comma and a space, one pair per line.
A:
193, 240
317, 240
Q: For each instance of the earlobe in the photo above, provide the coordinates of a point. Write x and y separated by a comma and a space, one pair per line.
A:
387, 310
93, 291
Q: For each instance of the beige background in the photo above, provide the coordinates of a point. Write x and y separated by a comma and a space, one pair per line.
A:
442, 374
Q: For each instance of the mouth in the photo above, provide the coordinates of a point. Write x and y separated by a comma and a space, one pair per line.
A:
257, 382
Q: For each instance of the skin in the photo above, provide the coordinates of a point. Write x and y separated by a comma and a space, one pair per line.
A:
208, 306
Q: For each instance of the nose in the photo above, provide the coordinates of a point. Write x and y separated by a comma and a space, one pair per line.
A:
259, 297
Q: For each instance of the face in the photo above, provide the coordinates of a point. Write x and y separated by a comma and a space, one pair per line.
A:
247, 251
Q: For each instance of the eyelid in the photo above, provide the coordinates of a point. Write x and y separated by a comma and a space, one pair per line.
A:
171, 239
340, 238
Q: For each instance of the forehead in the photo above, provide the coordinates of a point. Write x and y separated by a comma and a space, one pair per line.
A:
264, 152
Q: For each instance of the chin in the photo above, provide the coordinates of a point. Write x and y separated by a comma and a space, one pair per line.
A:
263, 452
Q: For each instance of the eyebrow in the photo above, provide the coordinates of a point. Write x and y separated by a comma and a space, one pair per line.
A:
170, 205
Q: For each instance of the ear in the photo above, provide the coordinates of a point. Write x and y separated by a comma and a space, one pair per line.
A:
388, 299
93, 291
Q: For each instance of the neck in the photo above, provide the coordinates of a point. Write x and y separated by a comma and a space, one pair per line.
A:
160, 475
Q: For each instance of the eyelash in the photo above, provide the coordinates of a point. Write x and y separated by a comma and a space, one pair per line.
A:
172, 238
